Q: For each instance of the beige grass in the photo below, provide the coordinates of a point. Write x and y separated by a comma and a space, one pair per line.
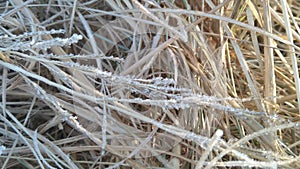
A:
149, 84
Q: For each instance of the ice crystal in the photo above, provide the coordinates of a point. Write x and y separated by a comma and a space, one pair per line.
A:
46, 44
1, 149
33, 40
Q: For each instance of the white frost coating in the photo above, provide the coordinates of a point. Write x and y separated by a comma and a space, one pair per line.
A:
46, 44
219, 133
20, 42
77, 37
1, 149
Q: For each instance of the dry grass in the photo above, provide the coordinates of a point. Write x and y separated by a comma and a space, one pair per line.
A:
150, 84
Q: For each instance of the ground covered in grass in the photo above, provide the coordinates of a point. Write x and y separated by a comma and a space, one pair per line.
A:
149, 84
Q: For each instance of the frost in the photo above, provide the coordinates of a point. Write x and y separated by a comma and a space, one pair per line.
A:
46, 44
274, 117
1, 149
33, 40
219, 133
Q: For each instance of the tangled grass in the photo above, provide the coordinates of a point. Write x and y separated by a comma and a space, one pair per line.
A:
149, 84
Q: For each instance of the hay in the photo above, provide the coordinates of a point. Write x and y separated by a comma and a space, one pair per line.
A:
149, 84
